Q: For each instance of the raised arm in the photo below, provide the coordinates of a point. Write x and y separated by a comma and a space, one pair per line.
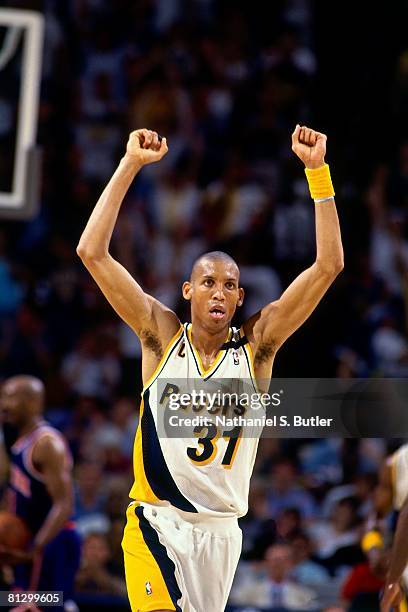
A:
152, 321
271, 326
399, 559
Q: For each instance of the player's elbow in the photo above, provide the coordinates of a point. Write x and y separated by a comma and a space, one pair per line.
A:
88, 255
338, 265
66, 504
83, 251
331, 267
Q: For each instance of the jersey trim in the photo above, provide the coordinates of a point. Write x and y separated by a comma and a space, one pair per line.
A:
155, 467
141, 488
167, 352
246, 347
160, 555
28, 454
25, 440
206, 374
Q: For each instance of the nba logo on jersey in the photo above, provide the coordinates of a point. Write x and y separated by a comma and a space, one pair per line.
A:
148, 588
235, 357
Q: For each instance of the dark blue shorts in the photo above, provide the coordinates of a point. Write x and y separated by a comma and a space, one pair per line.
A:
56, 570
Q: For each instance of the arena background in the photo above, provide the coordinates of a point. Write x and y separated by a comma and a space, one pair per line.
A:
225, 82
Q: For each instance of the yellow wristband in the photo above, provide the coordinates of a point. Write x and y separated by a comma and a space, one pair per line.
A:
320, 183
372, 539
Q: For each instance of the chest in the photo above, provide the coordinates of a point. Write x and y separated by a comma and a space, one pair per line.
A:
188, 363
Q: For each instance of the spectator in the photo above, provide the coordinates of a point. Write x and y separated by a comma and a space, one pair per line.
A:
94, 575
288, 523
337, 543
285, 492
276, 589
306, 571
90, 499
258, 529
91, 369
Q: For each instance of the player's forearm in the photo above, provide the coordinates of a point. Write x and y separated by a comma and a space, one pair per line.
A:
329, 248
95, 239
399, 554
55, 521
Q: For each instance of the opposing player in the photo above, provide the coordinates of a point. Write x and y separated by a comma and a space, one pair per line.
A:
392, 493
40, 491
182, 542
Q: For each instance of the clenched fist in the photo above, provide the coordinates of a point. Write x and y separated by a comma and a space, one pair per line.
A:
145, 147
309, 146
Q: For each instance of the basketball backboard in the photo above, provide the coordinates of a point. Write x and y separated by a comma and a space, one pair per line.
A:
21, 42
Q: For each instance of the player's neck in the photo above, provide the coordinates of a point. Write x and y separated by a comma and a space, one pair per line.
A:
205, 342
30, 426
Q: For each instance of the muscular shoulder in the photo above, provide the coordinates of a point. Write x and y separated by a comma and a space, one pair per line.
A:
262, 344
49, 449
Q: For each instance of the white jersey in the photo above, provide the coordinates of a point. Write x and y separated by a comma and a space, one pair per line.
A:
206, 474
399, 471
399, 474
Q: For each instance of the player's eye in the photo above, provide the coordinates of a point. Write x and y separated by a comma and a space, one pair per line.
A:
230, 285
208, 282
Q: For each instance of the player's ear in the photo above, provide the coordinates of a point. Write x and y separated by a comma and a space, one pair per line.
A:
241, 295
187, 290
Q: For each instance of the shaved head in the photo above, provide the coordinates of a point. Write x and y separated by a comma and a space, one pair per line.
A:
213, 256
32, 388
22, 399
213, 291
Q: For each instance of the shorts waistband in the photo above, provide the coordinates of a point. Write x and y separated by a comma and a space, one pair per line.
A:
222, 525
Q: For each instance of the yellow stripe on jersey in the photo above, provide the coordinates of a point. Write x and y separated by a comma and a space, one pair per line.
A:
141, 490
248, 351
146, 587
164, 358
203, 371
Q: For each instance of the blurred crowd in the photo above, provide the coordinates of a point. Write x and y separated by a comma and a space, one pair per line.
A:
225, 81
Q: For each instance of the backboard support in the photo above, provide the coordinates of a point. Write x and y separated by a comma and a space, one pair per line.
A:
24, 31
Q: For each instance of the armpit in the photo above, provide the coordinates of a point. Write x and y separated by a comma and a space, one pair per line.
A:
264, 353
152, 342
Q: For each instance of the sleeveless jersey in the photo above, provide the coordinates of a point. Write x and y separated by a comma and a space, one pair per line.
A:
204, 473
27, 495
399, 471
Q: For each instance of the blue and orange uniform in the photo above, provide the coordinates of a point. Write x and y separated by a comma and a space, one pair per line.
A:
28, 498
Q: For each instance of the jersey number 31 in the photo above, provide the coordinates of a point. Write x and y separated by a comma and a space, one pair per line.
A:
209, 448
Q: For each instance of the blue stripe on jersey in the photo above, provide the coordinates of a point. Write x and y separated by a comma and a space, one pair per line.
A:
156, 470
159, 552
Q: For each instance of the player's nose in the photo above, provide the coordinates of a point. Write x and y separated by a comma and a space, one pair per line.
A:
219, 292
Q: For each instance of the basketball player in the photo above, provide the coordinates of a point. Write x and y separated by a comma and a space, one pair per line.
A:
393, 493
182, 541
40, 492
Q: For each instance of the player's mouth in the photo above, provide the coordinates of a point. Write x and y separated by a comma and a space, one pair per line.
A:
217, 312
